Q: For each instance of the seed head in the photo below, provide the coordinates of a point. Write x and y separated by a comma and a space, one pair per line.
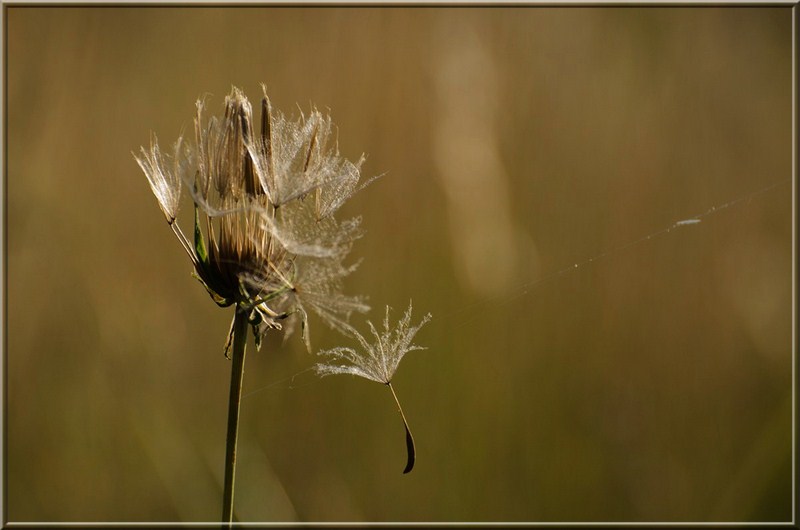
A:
265, 237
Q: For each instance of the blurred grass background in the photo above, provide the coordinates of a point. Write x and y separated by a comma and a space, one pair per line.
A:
651, 385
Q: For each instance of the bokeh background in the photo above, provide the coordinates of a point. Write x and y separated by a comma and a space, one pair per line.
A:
650, 384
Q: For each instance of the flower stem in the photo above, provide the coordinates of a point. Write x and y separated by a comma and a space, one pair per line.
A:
237, 375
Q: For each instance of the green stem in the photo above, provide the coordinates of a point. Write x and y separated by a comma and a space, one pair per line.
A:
237, 375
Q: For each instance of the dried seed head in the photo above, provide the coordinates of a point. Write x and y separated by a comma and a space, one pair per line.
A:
257, 243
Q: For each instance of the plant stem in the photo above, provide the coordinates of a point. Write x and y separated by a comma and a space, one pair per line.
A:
237, 375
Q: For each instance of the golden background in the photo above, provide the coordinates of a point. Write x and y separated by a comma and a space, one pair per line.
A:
650, 384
